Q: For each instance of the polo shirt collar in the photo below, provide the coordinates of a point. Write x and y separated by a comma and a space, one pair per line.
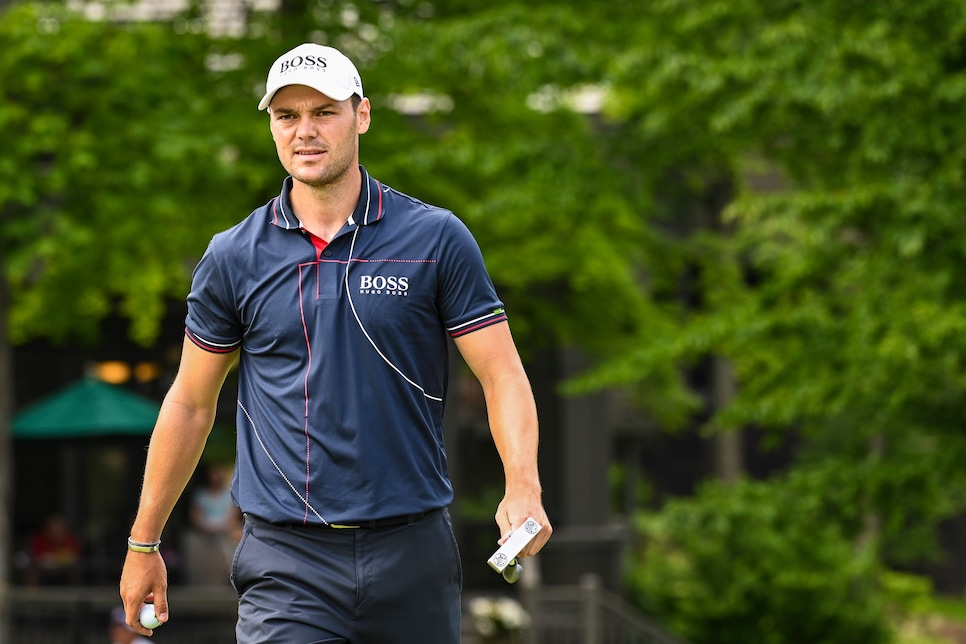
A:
369, 210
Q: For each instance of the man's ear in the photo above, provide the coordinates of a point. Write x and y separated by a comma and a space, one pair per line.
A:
364, 116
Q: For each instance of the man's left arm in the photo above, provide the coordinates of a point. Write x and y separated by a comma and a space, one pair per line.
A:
492, 356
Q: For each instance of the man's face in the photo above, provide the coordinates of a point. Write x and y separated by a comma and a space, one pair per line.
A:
317, 138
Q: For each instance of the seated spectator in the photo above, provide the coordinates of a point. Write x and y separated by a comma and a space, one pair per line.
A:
215, 529
212, 508
54, 554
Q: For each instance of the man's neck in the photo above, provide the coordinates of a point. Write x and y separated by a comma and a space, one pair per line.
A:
322, 210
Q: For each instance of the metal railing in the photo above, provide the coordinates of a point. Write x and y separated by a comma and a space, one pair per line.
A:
79, 615
582, 614
588, 614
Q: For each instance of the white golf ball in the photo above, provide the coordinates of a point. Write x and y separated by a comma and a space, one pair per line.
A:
148, 617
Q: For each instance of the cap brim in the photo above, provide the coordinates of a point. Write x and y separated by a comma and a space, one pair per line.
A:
266, 100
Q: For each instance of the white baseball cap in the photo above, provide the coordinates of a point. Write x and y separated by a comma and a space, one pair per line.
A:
322, 68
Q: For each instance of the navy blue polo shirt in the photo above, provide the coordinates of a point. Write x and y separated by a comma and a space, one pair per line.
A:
343, 353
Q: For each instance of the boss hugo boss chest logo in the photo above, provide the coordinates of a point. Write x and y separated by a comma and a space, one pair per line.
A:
384, 285
296, 62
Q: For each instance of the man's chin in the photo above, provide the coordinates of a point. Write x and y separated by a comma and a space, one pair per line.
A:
312, 176
318, 177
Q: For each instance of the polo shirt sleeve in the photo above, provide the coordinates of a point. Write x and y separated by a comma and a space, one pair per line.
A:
467, 297
212, 322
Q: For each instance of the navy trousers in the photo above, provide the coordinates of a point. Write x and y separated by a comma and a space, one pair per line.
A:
383, 585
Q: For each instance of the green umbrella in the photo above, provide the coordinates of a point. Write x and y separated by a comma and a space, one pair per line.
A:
88, 407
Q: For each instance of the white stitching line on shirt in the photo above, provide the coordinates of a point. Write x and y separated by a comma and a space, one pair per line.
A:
277, 468
355, 313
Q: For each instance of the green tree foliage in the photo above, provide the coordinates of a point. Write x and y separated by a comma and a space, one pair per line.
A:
114, 171
561, 230
171, 128
758, 562
832, 284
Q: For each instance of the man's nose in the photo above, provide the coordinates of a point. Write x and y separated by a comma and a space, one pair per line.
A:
306, 129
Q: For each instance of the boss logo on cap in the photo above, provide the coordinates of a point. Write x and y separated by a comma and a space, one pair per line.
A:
299, 61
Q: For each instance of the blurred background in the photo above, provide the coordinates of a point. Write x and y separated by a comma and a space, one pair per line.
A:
729, 236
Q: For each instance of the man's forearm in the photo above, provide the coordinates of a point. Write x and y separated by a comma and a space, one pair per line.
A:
512, 414
513, 424
175, 449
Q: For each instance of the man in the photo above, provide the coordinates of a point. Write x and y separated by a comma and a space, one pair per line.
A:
335, 299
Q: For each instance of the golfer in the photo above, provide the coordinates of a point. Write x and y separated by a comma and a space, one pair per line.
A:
337, 300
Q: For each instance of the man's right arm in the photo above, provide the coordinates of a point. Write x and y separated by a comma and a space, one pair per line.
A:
178, 439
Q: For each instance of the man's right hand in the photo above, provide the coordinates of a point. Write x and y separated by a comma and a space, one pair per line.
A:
144, 579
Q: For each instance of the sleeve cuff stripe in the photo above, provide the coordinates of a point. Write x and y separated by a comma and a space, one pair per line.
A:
213, 347
479, 325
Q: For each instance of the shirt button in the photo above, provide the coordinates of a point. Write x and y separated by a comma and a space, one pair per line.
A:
327, 252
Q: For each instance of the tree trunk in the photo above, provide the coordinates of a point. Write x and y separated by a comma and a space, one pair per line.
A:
872, 523
728, 459
6, 461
